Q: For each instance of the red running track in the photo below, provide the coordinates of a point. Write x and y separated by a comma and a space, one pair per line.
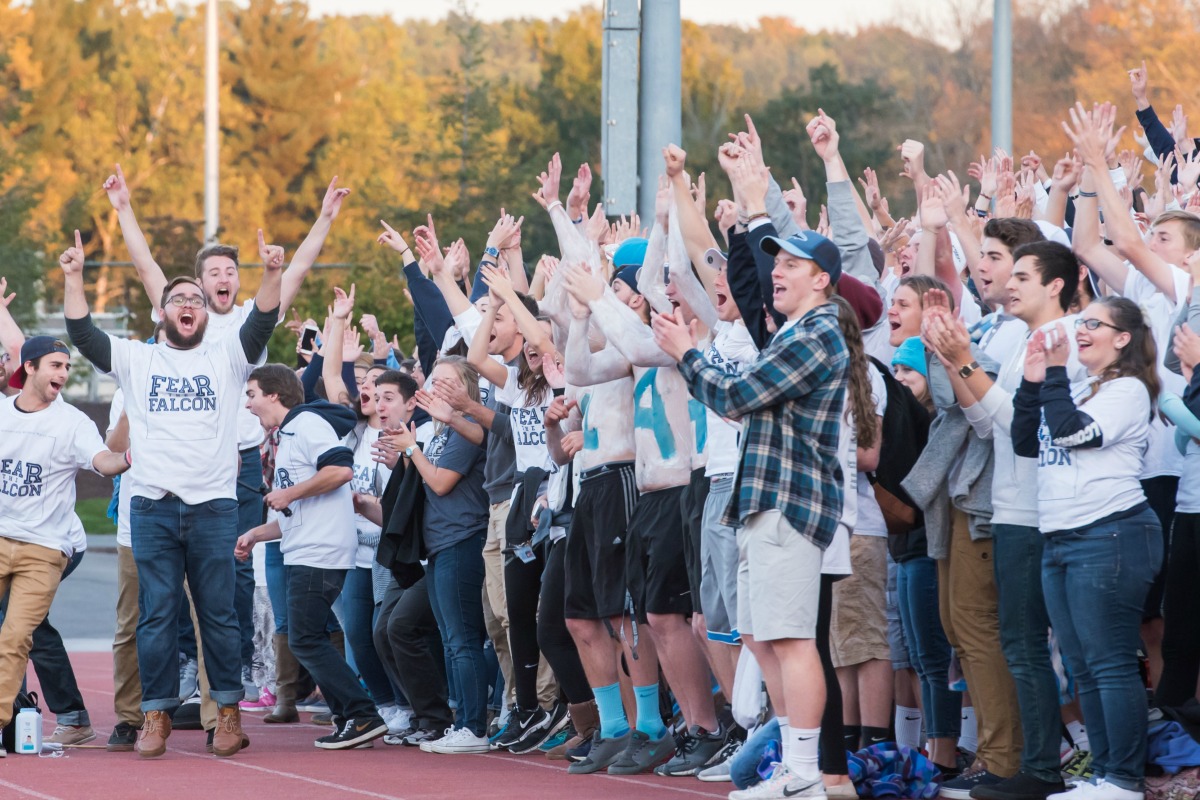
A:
281, 762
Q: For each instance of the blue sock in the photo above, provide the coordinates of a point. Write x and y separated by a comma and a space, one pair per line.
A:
649, 719
612, 712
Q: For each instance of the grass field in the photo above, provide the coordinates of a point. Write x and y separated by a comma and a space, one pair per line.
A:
91, 513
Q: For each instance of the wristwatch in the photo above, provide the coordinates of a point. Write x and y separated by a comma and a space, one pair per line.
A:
968, 370
408, 451
491, 251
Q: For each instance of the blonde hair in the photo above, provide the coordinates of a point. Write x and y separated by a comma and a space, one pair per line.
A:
466, 373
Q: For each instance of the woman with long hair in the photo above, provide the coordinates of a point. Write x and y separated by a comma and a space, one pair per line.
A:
1103, 541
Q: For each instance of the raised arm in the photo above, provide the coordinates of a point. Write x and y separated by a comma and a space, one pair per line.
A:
308, 251
336, 390
148, 271
93, 343
687, 286
585, 368
501, 286
477, 353
619, 323
11, 338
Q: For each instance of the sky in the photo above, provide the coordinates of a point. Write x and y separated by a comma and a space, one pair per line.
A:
811, 14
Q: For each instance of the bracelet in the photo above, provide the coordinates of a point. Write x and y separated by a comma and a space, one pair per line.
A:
1082, 193
757, 215
577, 221
553, 203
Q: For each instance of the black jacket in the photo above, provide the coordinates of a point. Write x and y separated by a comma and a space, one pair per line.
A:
401, 543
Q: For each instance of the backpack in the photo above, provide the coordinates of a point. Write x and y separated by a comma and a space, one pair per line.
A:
905, 433
22, 700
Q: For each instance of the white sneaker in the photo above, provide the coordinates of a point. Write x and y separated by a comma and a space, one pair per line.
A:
398, 719
1083, 790
461, 741
428, 746
769, 789
1103, 790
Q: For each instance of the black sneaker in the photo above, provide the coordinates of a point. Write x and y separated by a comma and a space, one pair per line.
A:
1021, 786
421, 735
962, 787
580, 751
695, 749
554, 721
522, 725
123, 739
353, 733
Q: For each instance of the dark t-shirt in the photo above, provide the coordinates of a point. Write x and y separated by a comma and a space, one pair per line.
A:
463, 511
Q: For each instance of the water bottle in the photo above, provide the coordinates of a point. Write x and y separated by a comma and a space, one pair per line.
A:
29, 731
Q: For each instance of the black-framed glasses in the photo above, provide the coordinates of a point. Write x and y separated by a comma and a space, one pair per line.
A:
191, 301
1094, 324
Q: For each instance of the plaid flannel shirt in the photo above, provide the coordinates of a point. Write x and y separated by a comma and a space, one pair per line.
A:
790, 402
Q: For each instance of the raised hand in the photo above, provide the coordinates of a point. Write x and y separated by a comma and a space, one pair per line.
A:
117, 190
498, 283
437, 408
750, 180
505, 228
700, 195
1067, 172
6, 300
548, 265
1033, 162
1035, 358
1179, 125
1058, 349
597, 227
549, 181
625, 228
728, 155
370, 324
749, 140
71, 260
822, 132
582, 285
675, 159
797, 203
1139, 83
580, 195
343, 303
552, 370
870, 186
271, 255
1189, 168
662, 201
932, 209
392, 238
352, 346
429, 253
458, 260
331, 204
954, 196
912, 153
726, 214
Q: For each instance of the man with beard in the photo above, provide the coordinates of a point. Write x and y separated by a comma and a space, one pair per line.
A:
182, 400
217, 274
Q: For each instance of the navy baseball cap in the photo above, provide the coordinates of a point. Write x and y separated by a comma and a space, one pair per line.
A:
32, 350
811, 246
628, 275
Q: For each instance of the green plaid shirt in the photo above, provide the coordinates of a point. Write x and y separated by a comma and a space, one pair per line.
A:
790, 402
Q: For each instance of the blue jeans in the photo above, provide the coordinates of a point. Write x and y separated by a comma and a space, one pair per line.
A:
171, 540
250, 514
928, 648
310, 595
1096, 580
277, 589
358, 606
1024, 626
455, 580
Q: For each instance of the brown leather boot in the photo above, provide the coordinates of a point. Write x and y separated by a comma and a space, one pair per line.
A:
152, 740
287, 675
227, 738
586, 719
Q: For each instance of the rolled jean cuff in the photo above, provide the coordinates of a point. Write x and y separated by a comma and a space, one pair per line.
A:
169, 705
76, 719
229, 698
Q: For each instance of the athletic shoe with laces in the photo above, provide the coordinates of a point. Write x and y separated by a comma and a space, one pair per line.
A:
521, 725
555, 721
70, 735
696, 748
602, 754
353, 733
960, 788
643, 753
419, 736
123, 739
1079, 768
462, 740
248, 684
189, 670
558, 739
1083, 790
399, 720
1021, 786
325, 718
314, 704
427, 744
767, 789
265, 702
718, 770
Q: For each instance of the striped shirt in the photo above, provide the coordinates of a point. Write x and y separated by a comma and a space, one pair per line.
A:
790, 403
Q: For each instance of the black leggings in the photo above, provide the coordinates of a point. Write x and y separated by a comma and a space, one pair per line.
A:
1181, 614
833, 742
522, 587
552, 635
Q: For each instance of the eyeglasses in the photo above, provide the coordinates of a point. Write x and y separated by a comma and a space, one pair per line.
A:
191, 301
1094, 324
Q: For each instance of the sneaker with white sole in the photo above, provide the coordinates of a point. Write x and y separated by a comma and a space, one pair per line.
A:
767, 789
1103, 790
353, 733
250, 687
399, 720
265, 702
427, 745
189, 670
460, 741
1083, 790
720, 764
70, 735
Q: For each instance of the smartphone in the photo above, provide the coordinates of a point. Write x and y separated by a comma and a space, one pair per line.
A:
308, 338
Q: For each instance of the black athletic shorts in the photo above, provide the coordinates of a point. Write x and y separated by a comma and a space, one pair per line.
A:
691, 504
596, 542
654, 560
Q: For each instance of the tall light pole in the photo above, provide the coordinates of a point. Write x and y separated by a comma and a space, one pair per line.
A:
660, 107
212, 154
1002, 76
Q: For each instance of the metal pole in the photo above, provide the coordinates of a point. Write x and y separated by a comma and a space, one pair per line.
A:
660, 106
1002, 76
212, 166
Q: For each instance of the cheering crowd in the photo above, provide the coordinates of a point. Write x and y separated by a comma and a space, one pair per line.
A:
925, 480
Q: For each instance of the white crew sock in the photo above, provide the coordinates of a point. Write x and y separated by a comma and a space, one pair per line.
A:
908, 727
802, 752
968, 738
1078, 735
784, 747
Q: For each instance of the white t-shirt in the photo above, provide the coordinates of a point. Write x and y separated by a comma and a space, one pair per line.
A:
848, 458
528, 422
40, 452
370, 477
1163, 457
320, 532
125, 492
1077, 486
732, 350
870, 520
183, 415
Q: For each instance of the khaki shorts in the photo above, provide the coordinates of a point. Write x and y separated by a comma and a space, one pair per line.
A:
779, 579
858, 631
